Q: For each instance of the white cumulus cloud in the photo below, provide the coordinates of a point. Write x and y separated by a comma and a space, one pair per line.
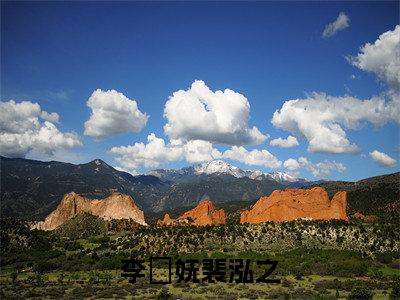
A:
382, 159
217, 117
253, 157
25, 128
290, 141
199, 151
113, 113
321, 169
291, 164
51, 117
132, 172
156, 153
322, 119
341, 22
150, 155
382, 57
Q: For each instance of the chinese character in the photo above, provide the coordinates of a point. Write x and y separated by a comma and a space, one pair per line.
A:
268, 272
209, 271
132, 267
236, 267
191, 270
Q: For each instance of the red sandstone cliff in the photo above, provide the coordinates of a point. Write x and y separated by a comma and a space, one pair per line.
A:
203, 214
116, 206
293, 204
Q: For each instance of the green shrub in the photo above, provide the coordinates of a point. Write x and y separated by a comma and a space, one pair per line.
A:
72, 246
82, 226
99, 240
395, 294
360, 293
45, 266
164, 294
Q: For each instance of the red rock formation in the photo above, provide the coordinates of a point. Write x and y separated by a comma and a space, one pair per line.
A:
203, 214
166, 221
293, 204
368, 218
116, 206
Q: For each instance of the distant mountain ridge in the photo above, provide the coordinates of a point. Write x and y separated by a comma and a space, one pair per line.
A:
221, 167
32, 189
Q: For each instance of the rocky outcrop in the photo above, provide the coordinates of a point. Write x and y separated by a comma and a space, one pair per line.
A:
166, 221
293, 204
203, 214
116, 206
368, 218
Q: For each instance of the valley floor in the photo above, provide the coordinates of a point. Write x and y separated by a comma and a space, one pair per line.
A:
110, 285
328, 260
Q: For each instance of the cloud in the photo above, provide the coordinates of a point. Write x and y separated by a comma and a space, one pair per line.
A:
253, 157
321, 169
382, 159
218, 117
321, 119
58, 95
132, 172
25, 128
382, 58
51, 117
199, 151
64, 155
19, 117
291, 164
339, 24
156, 153
113, 113
290, 141
150, 155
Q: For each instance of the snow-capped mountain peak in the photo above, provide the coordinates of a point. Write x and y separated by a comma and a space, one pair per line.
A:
218, 166
280, 176
221, 167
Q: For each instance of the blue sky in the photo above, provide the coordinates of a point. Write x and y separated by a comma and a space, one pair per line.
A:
58, 54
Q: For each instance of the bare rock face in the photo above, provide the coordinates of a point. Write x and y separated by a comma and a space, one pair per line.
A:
116, 206
203, 214
293, 204
166, 221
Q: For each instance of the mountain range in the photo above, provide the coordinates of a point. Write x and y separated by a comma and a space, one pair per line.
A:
32, 189
221, 167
